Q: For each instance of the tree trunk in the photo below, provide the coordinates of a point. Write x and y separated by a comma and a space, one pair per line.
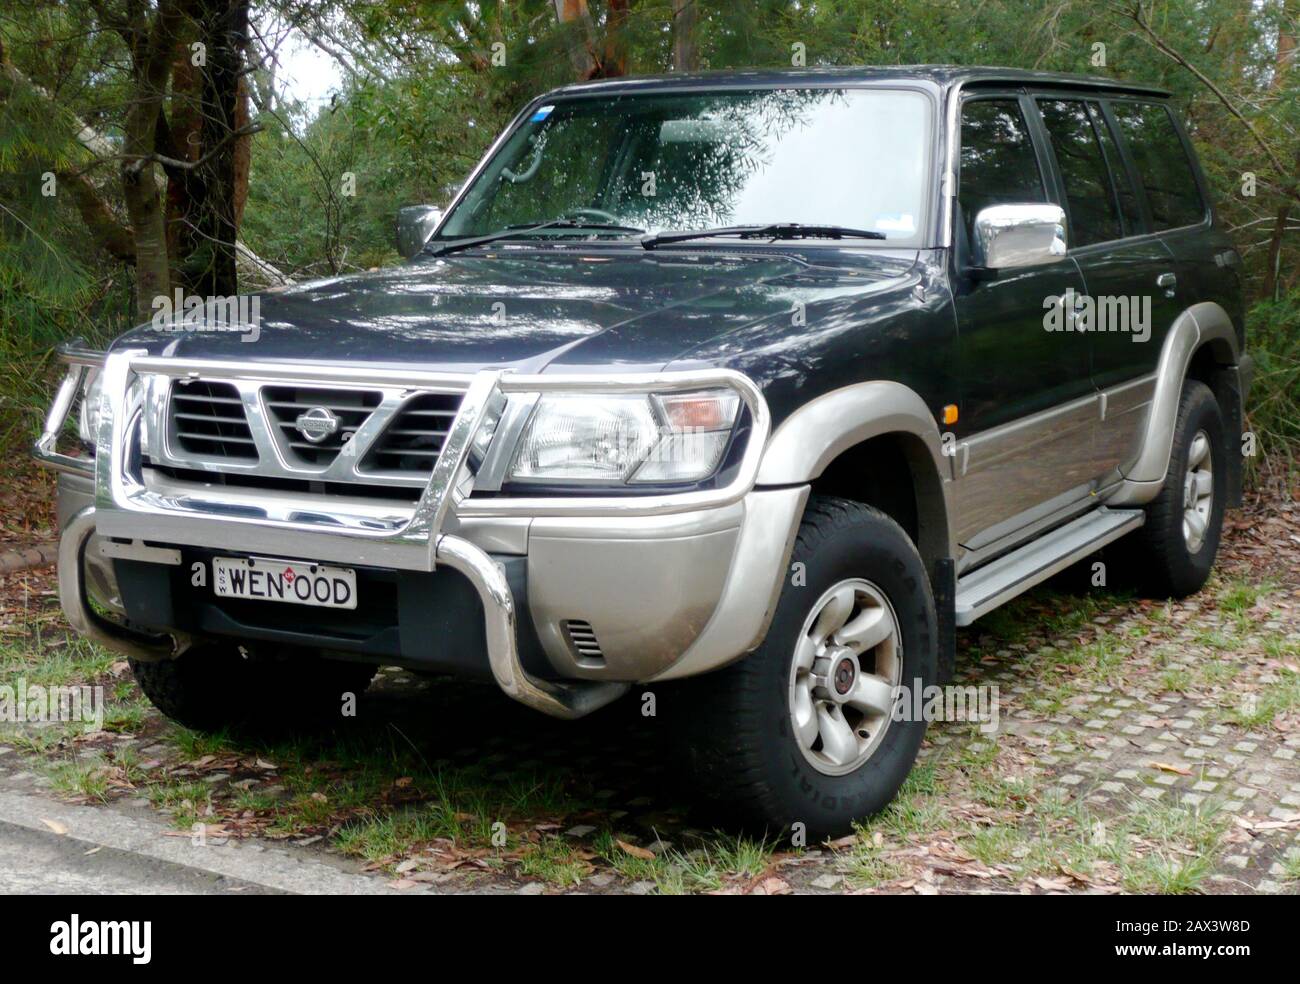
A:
180, 137
575, 21
87, 188
686, 55
1286, 43
613, 59
1282, 67
1273, 266
139, 185
223, 26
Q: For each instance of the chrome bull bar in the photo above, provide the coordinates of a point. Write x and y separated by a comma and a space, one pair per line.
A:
126, 508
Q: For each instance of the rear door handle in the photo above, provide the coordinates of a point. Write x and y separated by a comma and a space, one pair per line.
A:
1169, 282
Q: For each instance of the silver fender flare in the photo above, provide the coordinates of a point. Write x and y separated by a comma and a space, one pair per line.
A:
1201, 324
819, 432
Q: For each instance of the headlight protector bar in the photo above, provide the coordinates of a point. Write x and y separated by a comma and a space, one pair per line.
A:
496, 405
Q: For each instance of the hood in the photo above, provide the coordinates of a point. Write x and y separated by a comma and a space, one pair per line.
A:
534, 309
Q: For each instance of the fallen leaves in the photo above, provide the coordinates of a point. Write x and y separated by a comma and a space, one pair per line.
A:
637, 852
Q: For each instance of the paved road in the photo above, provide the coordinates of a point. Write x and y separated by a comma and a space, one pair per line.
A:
33, 862
49, 847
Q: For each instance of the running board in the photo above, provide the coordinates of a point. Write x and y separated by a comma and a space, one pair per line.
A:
997, 582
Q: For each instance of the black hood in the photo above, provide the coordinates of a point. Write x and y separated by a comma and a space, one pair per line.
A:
533, 309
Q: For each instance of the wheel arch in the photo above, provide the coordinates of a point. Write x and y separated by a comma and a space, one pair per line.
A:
867, 442
1202, 344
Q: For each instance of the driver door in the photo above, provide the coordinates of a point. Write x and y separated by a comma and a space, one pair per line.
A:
1028, 408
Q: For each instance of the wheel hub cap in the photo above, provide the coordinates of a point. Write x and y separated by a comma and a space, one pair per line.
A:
835, 675
847, 664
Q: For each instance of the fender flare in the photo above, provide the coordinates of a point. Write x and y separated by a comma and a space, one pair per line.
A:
817, 433
1201, 325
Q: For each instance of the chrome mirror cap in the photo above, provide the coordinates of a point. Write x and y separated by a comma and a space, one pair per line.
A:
1012, 236
415, 224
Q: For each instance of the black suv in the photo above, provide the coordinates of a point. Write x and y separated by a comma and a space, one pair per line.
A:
770, 379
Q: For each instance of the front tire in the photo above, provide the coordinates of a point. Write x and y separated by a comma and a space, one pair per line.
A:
215, 686
1174, 550
801, 731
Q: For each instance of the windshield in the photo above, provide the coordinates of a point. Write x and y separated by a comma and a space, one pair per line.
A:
698, 160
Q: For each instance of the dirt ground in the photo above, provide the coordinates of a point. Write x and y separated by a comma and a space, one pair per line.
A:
1142, 746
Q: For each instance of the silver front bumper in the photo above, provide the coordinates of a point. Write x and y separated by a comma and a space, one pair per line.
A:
673, 585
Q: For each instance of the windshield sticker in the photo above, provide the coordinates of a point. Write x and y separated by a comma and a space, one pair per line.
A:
897, 222
541, 114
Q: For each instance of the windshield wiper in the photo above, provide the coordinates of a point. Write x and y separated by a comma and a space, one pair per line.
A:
776, 230
525, 229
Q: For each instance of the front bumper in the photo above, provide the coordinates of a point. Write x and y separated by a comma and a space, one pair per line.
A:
610, 591
663, 597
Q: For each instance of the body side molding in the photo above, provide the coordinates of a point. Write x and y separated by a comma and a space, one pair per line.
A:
1200, 325
823, 429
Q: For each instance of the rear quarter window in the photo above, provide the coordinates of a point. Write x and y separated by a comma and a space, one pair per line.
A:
1162, 164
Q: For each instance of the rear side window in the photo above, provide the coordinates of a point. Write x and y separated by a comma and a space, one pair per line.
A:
998, 165
1094, 217
1162, 163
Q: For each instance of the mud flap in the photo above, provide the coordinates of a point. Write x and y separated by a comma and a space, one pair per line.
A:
944, 583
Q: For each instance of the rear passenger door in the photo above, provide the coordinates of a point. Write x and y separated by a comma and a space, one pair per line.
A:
1178, 202
1129, 273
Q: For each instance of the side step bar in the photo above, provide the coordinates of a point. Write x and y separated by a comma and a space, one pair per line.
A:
983, 590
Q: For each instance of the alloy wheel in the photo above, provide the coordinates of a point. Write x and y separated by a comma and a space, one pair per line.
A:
847, 663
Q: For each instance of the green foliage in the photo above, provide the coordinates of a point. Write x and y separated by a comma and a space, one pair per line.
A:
428, 86
1273, 334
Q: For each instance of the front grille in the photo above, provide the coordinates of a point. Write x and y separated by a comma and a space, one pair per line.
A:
207, 419
582, 638
285, 404
414, 438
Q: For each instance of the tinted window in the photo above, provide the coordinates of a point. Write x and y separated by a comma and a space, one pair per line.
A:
1162, 163
1129, 209
1094, 216
998, 166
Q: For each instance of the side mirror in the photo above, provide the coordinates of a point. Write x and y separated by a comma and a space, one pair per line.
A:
1011, 236
415, 224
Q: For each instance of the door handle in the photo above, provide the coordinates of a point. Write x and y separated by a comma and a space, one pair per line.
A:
1169, 282
1072, 305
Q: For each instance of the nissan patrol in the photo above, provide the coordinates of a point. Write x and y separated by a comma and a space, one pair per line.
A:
774, 379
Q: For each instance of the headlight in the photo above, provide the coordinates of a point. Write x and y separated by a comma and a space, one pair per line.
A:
626, 438
88, 415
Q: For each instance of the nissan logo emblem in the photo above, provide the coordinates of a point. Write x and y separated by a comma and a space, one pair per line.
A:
317, 424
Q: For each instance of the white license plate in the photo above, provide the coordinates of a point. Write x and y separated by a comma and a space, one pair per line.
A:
267, 579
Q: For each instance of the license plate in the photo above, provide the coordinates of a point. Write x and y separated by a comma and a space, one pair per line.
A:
266, 579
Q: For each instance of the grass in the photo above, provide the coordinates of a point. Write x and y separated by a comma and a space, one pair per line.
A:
1254, 710
188, 802
53, 659
87, 780
381, 839
556, 861
704, 867
1291, 868
1240, 596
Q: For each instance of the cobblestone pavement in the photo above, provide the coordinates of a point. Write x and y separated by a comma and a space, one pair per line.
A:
1141, 747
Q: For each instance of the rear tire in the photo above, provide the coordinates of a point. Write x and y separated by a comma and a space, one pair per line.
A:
1173, 553
751, 741
215, 686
